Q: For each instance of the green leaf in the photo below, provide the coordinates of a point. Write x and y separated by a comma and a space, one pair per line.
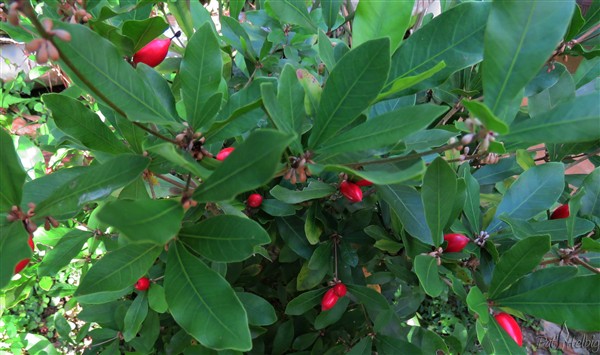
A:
12, 175
384, 130
181, 12
326, 51
156, 298
224, 238
427, 271
516, 47
63, 252
315, 189
539, 278
142, 32
153, 221
518, 261
454, 37
331, 10
590, 202
406, 203
76, 120
481, 111
427, 341
291, 230
203, 303
363, 347
555, 228
501, 341
304, 302
471, 209
308, 279
293, 12
375, 19
95, 183
235, 6
252, 164
312, 227
370, 298
321, 258
380, 174
569, 301
571, 121
327, 318
135, 316
438, 193
13, 248
200, 73
277, 208
478, 304
392, 345
116, 80
533, 192
180, 158
260, 312
116, 273
351, 87
403, 83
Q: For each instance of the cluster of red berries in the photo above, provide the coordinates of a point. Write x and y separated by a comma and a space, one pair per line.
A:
332, 296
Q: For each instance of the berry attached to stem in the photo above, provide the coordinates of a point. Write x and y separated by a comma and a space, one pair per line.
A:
510, 325
142, 284
351, 191
154, 52
329, 300
561, 212
340, 289
255, 200
456, 242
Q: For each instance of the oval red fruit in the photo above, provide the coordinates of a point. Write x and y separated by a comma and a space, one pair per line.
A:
329, 300
153, 53
142, 284
364, 182
510, 325
456, 242
561, 212
255, 200
224, 153
21, 265
351, 191
31, 244
340, 289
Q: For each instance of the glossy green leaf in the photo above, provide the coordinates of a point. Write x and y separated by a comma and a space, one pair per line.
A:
539, 278
252, 164
116, 273
76, 120
428, 341
203, 303
304, 302
63, 252
326, 51
291, 230
180, 158
569, 122
308, 278
555, 228
393, 345
142, 32
478, 304
96, 183
501, 341
135, 316
381, 174
12, 175
406, 203
315, 189
331, 10
375, 19
116, 80
483, 113
200, 73
403, 83
154, 221
533, 192
224, 238
260, 312
546, 100
370, 298
454, 37
590, 202
327, 318
312, 227
13, 248
363, 347
235, 6
293, 12
569, 301
352, 85
519, 38
471, 208
426, 268
384, 130
518, 261
156, 298
321, 258
277, 208
438, 194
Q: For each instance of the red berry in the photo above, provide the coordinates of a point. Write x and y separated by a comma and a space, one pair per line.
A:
510, 325
340, 289
351, 191
21, 265
456, 242
31, 244
255, 200
224, 153
364, 182
561, 212
142, 284
329, 300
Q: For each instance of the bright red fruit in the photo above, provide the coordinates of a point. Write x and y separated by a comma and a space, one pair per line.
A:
329, 300
224, 153
142, 284
255, 200
456, 242
21, 265
154, 52
30, 241
510, 325
351, 191
340, 289
561, 212
364, 182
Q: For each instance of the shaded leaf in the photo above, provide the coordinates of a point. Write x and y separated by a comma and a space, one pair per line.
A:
12, 175
375, 19
426, 269
438, 194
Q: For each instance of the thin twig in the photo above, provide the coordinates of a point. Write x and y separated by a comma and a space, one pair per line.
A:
170, 181
586, 157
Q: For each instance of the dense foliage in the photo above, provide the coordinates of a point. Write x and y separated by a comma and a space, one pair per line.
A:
313, 178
